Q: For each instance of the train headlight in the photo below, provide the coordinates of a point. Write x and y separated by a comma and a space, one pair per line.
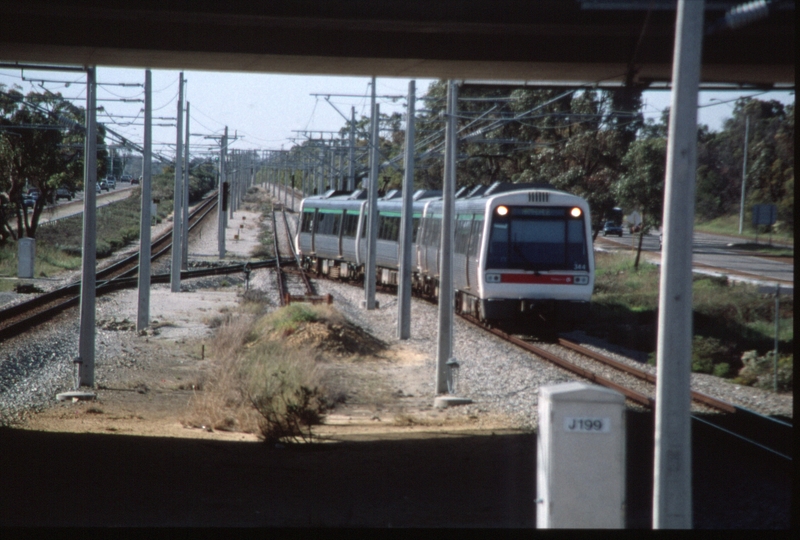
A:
576, 212
502, 210
581, 280
492, 278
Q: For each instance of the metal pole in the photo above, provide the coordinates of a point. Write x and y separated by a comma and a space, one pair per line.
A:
351, 174
143, 314
777, 330
744, 172
231, 187
445, 346
88, 260
185, 216
372, 209
672, 502
406, 225
177, 206
221, 212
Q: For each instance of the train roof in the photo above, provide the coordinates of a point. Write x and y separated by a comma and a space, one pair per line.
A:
392, 201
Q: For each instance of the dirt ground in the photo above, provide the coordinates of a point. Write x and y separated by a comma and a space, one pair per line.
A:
384, 458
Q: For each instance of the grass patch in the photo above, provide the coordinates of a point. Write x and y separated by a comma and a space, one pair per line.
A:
285, 321
59, 245
766, 250
729, 318
259, 383
49, 261
729, 225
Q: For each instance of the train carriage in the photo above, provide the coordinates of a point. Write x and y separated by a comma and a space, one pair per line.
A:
521, 252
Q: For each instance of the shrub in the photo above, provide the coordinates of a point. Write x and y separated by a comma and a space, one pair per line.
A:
258, 384
722, 369
282, 386
707, 352
760, 371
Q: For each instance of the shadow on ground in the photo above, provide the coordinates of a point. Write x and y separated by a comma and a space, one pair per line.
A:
407, 480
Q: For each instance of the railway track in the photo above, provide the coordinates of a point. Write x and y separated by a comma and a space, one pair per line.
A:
766, 433
290, 277
24, 316
769, 434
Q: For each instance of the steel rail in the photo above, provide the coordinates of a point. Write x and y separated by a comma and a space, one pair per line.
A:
310, 291
112, 285
633, 395
35, 311
283, 292
594, 355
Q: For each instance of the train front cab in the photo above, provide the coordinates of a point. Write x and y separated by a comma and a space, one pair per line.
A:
538, 265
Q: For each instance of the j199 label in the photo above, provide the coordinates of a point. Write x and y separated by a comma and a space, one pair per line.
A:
587, 425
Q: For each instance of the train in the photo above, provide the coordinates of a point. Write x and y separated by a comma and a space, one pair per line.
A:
522, 253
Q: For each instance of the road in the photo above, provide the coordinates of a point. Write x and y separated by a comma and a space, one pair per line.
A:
64, 209
716, 254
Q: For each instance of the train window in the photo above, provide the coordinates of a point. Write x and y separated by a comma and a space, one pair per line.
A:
382, 227
349, 225
498, 246
530, 240
436, 231
308, 222
414, 229
321, 224
463, 226
476, 235
337, 220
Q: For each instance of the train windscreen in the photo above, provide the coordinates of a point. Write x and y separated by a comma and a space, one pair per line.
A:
537, 238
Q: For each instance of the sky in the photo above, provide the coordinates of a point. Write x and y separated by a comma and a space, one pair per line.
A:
269, 111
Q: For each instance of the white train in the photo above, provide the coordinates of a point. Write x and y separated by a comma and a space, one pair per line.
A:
522, 252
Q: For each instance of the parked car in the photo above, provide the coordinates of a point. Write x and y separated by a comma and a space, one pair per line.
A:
97, 185
112, 182
64, 193
28, 201
612, 228
136, 181
33, 193
126, 178
103, 184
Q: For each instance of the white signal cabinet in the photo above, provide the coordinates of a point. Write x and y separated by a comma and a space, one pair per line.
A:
580, 454
26, 256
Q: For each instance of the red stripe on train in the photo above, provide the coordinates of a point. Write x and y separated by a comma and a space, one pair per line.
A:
551, 279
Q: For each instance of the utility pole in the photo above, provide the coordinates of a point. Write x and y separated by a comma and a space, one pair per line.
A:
672, 489
406, 225
185, 220
372, 209
351, 175
744, 172
222, 210
143, 314
445, 346
89, 256
177, 220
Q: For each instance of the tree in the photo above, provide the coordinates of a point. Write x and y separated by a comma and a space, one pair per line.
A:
641, 186
41, 138
770, 161
581, 140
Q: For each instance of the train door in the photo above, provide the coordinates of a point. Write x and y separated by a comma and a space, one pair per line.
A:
473, 247
314, 222
362, 219
341, 231
467, 251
